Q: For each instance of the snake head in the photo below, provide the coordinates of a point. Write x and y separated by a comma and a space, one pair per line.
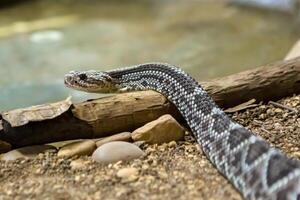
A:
91, 81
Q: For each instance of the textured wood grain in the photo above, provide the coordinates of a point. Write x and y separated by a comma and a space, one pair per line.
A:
270, 82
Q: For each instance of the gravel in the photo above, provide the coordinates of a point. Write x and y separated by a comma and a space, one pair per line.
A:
168, 171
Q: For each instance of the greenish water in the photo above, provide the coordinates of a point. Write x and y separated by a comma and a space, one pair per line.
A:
41, 40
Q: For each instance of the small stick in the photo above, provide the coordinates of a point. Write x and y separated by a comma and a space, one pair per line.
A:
265, 130
283, 106
257, 122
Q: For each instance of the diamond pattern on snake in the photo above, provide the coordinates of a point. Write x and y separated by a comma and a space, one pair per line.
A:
255, 168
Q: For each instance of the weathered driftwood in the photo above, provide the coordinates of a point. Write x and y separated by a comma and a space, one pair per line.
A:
128, 111
90, 119
270, 82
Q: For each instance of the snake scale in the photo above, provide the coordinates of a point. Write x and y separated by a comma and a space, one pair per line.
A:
257, 170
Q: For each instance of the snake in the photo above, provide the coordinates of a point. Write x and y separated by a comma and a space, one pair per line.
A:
253, 166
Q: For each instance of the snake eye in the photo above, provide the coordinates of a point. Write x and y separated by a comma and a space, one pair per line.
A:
82, 77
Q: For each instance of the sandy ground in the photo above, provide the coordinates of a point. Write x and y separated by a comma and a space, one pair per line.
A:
168, 171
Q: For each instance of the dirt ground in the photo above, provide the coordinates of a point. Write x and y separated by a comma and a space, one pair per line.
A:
168, 171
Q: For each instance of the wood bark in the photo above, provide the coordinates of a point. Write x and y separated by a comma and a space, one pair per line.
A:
270, 82
128, 111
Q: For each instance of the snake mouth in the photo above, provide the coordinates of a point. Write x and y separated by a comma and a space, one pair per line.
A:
68, 80
71, 82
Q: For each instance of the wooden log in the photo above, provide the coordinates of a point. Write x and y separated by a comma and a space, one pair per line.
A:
128, 111
270, 82
91, 119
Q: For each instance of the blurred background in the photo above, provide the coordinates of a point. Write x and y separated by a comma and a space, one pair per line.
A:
41, 40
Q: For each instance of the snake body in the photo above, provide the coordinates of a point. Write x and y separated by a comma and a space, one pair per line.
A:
257, 170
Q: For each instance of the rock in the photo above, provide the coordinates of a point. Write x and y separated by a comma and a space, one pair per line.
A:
278, 110
163, 130
26, 152
125, 136
115, 151
80, 148
129, 173
78, 164
172, 144
296, 154
60, 144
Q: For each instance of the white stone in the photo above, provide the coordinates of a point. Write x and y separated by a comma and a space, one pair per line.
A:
115, 151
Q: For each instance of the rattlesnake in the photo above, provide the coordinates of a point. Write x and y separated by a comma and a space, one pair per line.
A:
257, 170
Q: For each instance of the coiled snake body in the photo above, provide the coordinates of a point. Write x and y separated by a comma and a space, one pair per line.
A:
257, 170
